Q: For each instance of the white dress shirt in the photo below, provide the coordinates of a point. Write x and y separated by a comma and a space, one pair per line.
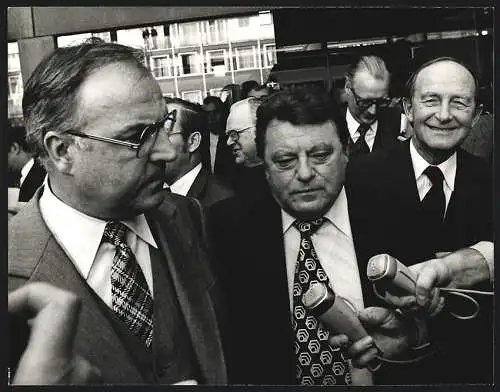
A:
214, 139
183, 184
449, 170
335, 249
80, 236
353, 125
25, 170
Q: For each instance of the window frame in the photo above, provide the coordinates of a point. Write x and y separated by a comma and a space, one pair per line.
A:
255, 63
170, 68
180, 67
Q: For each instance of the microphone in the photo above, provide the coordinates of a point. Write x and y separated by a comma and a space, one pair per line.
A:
385, 269
336, 313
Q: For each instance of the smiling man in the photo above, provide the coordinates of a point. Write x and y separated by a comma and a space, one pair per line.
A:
98, 227
428, 196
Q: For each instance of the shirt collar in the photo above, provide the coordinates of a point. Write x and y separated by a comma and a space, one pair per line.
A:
353, 124
338, 215
25, 170
183, 184
448, 167
79, 234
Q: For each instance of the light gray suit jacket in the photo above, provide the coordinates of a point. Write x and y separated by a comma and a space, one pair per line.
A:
178, 226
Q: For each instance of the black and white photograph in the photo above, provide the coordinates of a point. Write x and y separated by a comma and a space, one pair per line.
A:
250, 196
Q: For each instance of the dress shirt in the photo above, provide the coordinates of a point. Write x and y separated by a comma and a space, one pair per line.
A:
353, 126
80, 236
184, 183
214, 139
449, 170
25, 170
335, 249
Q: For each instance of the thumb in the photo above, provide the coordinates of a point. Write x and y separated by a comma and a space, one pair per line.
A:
375, 316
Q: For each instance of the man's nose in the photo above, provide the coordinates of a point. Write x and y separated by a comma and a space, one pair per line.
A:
444, 113
230, 141
163, 149
305, 172
372, 109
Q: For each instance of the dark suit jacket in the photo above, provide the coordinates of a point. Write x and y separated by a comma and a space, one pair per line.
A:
225, 167
248, 244
384, 208
35, 255
32, 182
388, 128
208, 189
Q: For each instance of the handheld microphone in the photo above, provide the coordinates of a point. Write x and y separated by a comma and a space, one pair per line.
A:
384, 268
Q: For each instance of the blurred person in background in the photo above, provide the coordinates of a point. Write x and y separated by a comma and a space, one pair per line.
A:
248, 87
185, 175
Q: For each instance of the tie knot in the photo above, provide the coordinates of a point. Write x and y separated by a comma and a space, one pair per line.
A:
308, 227
114, 233
434, 174
362, 129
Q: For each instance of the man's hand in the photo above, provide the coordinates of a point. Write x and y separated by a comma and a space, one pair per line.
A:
391, 333
49, 358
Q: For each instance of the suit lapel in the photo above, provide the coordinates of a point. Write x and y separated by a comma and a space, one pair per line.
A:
199, 184
192, 282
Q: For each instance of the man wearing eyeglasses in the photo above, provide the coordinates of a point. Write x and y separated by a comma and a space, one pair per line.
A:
103, 228
369, 122
185, 174
240, 130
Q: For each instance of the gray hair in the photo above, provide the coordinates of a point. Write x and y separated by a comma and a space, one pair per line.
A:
252, 102
50, 100
374, 65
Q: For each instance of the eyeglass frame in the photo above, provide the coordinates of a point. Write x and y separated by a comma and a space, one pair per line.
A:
156, 126
234, 134
382, 102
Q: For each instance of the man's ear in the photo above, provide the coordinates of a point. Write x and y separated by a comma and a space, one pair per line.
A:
479, 110
407, 105
57, 147
15, 148
194, 141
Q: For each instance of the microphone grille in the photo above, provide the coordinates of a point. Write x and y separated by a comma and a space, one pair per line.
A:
377, 267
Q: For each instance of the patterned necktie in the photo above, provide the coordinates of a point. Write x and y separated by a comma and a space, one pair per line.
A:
317, 362
360, 147
131, 299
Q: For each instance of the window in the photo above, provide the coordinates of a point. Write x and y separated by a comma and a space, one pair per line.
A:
269, 55
265, 18
192, 96
216, 61
244, 21
15, 95
189, 34
215, 31
189, 63
245, 58
162, 66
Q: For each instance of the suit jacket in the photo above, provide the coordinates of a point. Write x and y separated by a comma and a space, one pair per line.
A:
388, 128
385, 217
32, 182
225, 167
248, 244
208, 189
178, 227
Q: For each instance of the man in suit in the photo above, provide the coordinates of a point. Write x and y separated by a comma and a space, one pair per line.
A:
265, 263
367, 121
103, 228
185, 174
22, 165
426, 198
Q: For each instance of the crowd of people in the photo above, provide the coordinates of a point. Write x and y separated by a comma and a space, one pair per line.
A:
169, 242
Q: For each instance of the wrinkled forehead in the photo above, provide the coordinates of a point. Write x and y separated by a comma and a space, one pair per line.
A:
447, 73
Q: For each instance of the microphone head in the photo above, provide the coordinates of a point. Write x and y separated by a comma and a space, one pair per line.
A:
381, 266
316, 293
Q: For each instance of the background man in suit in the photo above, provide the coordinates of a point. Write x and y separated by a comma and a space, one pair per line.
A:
368, 121
428, 196
27, 172
103, 228
260, 246
185, 174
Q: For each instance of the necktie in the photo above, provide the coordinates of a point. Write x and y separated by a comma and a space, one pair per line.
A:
131, 299
434, 201
360, 147
317, 362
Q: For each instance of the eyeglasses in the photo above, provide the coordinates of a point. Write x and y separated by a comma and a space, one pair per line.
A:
147, 137
365, 103
234, 134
